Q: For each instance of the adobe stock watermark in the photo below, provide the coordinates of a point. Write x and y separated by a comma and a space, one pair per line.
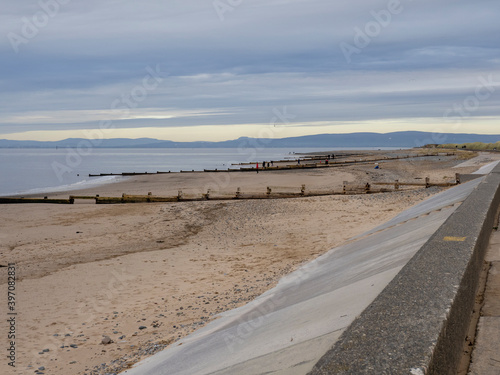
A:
483, 91
372, 29
252, 321
121, 107
31, 26
250, 147
223, 6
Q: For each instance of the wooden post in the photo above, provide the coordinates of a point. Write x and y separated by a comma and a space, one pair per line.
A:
396, 185
344, 187
427, 182
179, 195
303, 190
238, 193
367, 188
208, 194
268, 191
457, 178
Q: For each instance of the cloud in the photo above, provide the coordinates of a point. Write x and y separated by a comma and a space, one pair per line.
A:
412, 60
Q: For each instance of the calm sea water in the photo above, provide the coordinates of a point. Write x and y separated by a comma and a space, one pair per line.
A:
45, 170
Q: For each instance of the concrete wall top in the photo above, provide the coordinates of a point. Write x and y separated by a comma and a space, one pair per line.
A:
417, 325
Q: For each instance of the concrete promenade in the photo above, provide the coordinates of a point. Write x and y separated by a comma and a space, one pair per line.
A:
418, 324
289, 328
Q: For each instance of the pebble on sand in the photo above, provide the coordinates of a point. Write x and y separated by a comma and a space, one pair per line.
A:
106, 340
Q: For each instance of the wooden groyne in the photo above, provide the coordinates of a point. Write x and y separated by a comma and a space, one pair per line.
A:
272, 192
397, 184
305, 163
340, 159
35, 200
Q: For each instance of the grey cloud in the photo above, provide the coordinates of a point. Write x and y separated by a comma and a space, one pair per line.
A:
263, 54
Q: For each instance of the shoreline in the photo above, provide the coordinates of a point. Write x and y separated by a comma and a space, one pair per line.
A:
34, 192
88, 270
37, 192
151, 161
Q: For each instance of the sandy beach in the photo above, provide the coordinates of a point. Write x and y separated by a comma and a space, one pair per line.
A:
147, 274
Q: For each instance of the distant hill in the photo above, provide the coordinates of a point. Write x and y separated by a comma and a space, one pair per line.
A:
395, 139
74, 142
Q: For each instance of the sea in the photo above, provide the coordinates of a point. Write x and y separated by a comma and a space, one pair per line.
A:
33, 171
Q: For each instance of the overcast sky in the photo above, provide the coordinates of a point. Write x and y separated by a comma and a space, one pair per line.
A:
214, 70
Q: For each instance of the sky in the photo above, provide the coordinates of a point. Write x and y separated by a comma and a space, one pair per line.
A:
190, 70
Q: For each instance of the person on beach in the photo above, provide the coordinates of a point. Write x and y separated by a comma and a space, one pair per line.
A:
298, 161
257, 167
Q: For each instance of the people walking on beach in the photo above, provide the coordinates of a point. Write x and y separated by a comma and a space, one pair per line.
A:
298, 161
257, 167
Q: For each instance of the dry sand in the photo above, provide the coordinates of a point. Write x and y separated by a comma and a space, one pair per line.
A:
147, 274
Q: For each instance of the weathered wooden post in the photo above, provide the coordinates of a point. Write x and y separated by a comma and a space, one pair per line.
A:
457, 178
427, 182
303, 190
238, 193
179, 195
344, 190
268, 191
207, 196
367, 188
396, 185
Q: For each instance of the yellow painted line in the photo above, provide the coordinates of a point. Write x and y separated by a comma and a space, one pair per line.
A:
455, 239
